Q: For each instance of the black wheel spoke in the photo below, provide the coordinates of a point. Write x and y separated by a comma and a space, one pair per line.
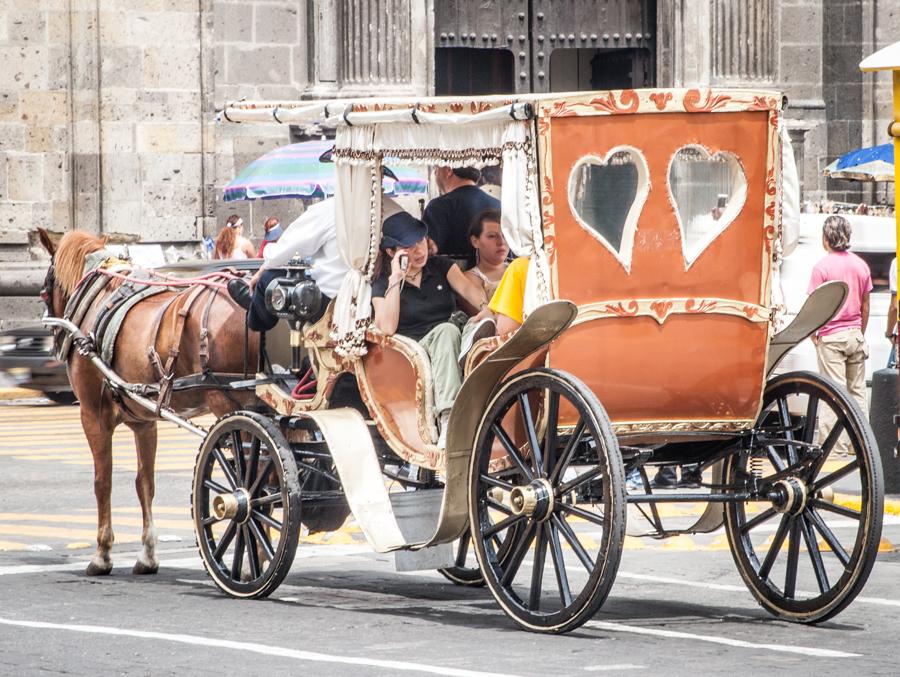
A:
266, 519
829, 537
518, 554
495, 482
563, 489
225, 541
785, 416
252, 462
215, 486
793, 559
262, 472
809, 424
531, 432
252, 552
238, 559
775, 459
584, 514
567, 454
240, 461
551, 434
537, 571
836, 475
503, 524
497, 505
463, 550
262, 540
830, 440
764, 516
815, 556
837, 509
271, 499
774, 549
511, 450
574, 543
559, 563
227, 469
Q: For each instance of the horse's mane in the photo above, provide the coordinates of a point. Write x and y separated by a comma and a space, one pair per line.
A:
70, 254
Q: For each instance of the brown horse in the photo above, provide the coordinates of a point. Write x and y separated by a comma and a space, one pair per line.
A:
101, 412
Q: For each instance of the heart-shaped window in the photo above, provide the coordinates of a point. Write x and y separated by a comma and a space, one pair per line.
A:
607, 194
708, 191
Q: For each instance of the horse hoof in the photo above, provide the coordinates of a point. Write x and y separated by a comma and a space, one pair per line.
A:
94, 569
141, 569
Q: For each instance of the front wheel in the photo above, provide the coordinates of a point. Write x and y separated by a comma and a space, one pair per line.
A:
544, 440
805, 553
245, 505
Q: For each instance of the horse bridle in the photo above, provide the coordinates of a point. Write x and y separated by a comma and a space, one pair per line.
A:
47, 288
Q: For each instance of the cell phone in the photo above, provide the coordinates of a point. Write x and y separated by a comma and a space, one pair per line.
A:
404, 262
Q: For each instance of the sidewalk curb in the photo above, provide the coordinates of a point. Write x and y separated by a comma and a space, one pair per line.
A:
16, 393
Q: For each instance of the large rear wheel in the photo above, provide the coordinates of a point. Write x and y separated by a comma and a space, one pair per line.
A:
807, 551
525, 471
245, 505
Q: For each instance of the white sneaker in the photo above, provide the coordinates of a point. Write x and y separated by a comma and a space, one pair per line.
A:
443, 423
484, 328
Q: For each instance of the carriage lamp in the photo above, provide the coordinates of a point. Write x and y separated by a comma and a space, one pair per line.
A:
295, 296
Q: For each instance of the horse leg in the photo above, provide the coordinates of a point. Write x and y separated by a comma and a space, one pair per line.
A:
145, 485
99, 430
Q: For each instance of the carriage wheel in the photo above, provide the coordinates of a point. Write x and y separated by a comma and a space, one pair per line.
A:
574, 548
460, 573
246, 505
807, 552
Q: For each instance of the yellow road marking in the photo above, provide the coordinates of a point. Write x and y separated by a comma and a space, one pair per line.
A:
56, 532
88, 519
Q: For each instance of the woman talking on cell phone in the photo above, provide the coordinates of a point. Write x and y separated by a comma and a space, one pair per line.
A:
414, 296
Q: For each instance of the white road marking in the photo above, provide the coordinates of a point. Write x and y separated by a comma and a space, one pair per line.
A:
253, 647
674, 634
614, 667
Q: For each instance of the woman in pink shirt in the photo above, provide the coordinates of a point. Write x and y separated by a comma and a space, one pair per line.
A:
841, 344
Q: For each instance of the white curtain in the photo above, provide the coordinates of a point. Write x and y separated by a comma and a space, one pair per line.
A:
358, 223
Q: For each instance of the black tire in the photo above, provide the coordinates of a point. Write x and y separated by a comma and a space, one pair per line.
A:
460, 573
240, 551
815, 587
539, 468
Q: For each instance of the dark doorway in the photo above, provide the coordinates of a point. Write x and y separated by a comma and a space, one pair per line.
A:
470, 70
580, 69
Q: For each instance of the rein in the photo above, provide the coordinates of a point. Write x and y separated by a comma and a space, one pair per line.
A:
166, 280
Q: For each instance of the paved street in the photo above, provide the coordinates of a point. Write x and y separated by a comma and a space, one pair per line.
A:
678, 606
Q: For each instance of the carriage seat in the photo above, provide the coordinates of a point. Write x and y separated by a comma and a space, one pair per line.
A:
396, 380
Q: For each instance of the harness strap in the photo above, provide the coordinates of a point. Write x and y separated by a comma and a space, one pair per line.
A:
165, 386
154, 332
204, 332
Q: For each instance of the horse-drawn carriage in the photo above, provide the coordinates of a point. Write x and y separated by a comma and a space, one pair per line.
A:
652, 221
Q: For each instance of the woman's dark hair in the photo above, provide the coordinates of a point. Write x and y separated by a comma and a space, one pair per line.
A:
468, 173
476, 228
836, 230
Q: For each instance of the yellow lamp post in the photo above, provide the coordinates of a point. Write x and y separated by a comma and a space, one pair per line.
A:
888, 59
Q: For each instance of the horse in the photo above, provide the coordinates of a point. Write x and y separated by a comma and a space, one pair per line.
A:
152, 323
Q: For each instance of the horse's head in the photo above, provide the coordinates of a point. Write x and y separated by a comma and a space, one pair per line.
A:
66, 266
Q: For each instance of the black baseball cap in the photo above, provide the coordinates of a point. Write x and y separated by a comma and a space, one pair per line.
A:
402, 230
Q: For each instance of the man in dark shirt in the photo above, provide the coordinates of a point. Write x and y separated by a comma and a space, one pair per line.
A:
448, 217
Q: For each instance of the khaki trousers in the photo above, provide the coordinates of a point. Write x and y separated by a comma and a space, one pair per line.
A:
442, 346
842, 358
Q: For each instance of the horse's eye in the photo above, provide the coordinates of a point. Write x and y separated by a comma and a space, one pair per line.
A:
44, 296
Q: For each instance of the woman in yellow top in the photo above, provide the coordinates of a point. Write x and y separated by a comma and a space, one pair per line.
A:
508, 301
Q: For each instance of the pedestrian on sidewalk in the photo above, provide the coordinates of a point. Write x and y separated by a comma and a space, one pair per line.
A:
840, 344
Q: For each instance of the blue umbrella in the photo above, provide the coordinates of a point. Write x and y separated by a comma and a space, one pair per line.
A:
296, 171
864, 164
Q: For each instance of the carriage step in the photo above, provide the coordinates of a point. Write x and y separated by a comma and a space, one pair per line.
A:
417, 514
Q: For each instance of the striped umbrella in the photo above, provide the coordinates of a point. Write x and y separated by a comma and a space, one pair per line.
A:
295, 171
864, 164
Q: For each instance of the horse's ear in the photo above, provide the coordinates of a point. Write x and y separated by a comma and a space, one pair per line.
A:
46, 241
104, 240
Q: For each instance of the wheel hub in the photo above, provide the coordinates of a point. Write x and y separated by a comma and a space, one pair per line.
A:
789, 495
534, 499
235, 506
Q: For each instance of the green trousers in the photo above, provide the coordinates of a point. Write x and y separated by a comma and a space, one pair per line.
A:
442, 346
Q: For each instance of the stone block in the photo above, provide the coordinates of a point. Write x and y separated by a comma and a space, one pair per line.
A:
118, 137
276, 24
28, 27
170, 67
121, 175
168, 138
44, 107
15, 215
58, 71
161, 28
46, 139
16, 311
121, 66
121, 216
42, 215
56, 176
87, 212
23, 65
12, 137
261, 65
62, 215
174, 169
57, 27
9, 106
13, 236
801, 63
87, 172
26, 178
85, 137
4, 174
233, 22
